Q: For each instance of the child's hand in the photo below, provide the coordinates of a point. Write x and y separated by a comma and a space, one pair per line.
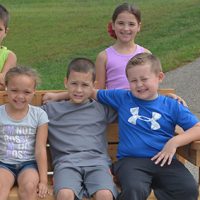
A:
167, 153
42, 190
49, 96
174, 96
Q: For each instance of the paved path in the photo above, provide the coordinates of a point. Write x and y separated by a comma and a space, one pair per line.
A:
186, 81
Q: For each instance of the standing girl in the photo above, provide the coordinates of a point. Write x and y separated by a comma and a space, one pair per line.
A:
111, 63
23, 136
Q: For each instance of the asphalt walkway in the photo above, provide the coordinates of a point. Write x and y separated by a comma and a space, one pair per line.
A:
186, 82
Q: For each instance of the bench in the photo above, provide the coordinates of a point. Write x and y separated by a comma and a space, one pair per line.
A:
190, 152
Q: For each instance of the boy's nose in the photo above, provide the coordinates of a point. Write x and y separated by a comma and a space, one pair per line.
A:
20, 95
139, 83
79, 88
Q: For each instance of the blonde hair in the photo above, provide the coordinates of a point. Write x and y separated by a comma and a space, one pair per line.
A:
142, 59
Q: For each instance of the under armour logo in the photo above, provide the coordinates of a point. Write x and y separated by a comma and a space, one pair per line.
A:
155, 116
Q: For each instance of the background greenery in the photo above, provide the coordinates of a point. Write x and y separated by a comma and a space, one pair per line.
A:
47, 34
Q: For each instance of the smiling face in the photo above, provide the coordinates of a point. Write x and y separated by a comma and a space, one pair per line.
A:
80, 86
144, 82
20, 90
126, 26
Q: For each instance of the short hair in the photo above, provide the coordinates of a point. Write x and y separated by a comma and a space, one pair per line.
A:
142, 59
4, 16
132, 9
20, 70
83, 65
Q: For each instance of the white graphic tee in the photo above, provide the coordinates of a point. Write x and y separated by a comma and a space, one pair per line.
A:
17, 137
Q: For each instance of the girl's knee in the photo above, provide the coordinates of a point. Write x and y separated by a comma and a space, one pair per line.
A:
28, 189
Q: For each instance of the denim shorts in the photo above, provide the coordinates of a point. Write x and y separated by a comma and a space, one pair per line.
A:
16, 169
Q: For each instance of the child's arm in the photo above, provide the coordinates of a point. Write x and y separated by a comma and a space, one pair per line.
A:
10, 62
58, 96
101, 70
168, 151
54, 96
41, 159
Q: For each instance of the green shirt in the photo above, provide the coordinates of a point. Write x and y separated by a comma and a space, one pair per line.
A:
3, 56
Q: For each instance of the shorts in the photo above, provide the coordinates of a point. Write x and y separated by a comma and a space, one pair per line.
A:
16, 169
83, 180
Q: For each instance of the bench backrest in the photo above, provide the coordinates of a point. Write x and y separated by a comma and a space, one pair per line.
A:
112, 131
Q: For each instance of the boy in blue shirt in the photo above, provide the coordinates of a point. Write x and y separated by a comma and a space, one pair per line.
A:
147, 144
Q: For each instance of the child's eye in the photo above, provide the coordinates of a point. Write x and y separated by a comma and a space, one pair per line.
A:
85, 85
133, 81
120, 23
131, 24
144, 79
13, 90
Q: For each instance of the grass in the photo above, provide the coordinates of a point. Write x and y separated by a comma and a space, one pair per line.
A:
47, 34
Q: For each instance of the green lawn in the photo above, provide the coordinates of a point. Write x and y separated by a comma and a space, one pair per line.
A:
47, 34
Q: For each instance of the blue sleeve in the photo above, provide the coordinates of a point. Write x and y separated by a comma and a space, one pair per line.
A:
185, 118
112, 98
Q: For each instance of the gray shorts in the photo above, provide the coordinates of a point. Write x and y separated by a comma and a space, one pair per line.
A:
84, 180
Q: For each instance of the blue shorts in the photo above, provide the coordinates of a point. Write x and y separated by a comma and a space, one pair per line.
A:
16, 169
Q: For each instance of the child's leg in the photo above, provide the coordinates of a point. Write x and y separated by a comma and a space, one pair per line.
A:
99, 182
28, 181
68, 183
134, 176
103, 195
175, 182
7, 180
65, 194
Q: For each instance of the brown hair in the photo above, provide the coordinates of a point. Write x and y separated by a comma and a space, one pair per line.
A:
84, 65
4, 15
17, 71
142, 59
129, 8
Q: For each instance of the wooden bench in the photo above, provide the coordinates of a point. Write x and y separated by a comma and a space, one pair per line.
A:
190, 152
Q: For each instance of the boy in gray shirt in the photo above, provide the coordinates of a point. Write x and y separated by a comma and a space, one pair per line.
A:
77, 137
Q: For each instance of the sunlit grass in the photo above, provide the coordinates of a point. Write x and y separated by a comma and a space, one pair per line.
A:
47, 34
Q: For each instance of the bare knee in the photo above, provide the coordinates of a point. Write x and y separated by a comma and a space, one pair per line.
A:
4, 191
65, 194
28, 190
5, 186
103, 195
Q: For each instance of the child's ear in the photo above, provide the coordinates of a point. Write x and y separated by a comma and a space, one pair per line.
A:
161, 76
65, 82
113, 26
95, 84
139, 27
6, 31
